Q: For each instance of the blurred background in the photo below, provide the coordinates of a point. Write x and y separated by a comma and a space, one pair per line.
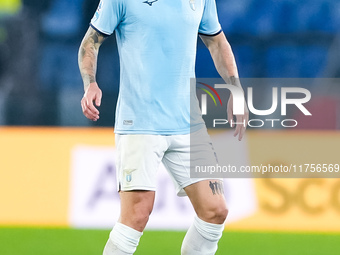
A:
39, 79
57, 169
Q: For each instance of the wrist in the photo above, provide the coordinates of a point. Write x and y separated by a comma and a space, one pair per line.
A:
90, 84
235, 80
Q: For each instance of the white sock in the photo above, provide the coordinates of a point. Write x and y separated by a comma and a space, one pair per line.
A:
202, 238
123, 240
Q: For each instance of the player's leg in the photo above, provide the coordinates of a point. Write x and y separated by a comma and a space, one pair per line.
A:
136, 206
209, 203
206, 196
138, 158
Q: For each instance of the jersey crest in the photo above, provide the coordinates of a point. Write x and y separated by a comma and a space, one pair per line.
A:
150, 2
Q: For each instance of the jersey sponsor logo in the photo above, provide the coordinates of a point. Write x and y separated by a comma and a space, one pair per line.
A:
192, 5
150, 2
128, 122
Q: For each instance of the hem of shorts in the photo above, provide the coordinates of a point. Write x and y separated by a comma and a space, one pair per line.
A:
192, 181
144, 188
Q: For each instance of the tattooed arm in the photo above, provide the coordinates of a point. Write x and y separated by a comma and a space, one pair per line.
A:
87, 61
221, 53
225, 64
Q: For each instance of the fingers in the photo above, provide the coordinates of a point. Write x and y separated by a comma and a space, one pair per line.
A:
230, 111
89, 110
241, 120
238, 129
241, 126
230, 117
98, 100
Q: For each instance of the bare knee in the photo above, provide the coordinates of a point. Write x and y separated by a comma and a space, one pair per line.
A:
214, 214
136, 208
139, 217
221, 214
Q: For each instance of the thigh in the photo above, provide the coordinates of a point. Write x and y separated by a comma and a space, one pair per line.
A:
184, 153
137, 162
207, 198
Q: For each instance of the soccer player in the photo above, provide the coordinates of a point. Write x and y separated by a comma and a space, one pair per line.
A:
157, 48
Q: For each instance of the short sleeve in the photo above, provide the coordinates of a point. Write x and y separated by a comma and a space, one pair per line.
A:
209, 24
108, 16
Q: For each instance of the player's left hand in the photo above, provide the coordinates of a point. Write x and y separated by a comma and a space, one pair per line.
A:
241, 120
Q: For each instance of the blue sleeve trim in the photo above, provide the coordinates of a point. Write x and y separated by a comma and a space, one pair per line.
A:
104, 34
212, 34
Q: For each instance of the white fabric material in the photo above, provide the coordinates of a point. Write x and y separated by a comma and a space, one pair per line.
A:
112, 249
139, 156
123, 240
202, 238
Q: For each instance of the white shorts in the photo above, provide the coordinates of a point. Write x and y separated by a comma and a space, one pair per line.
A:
139, 157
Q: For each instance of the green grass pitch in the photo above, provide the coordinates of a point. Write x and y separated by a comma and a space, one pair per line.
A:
48, 241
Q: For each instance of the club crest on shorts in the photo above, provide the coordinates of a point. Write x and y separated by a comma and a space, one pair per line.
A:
192, 4
128, 178
128, 174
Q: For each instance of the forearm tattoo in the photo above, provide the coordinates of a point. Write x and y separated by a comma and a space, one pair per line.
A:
235, 81
216, 187
88, 54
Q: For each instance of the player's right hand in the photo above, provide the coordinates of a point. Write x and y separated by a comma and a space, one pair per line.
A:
93, 95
